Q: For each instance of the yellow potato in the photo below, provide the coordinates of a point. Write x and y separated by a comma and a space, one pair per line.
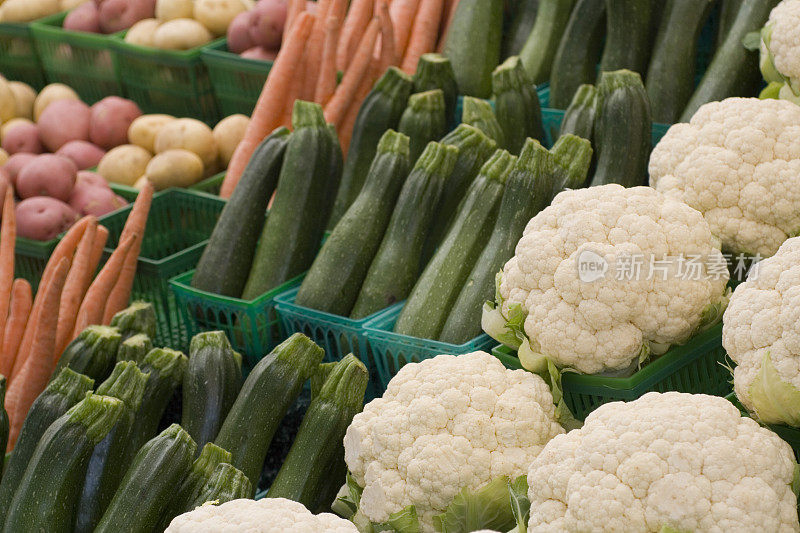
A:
193, 135
143, 131
8, 103
24, 96
28, 10
181, 34
3, 157
229, 133
66, 5
143, 33
167, 10
217, 15
51, 93
6, 127
124, 164
174, 168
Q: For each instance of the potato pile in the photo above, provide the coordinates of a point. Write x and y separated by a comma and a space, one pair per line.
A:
257, 34
108, 16
30, 10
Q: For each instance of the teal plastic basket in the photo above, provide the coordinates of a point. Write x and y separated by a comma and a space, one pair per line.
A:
210, 185
697, 367
392, 350
790, 434
18, 58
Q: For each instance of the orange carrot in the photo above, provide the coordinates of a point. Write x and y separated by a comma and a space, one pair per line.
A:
135, 225
424, 34
355, 25
326, 84
403, 13
343, 97
447, 19
313, 53
268, 112
15, 326
295, 90
35, 374
293, 11
338, 9
388, 49
8, 238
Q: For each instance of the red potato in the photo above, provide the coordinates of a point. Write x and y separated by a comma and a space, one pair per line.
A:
64, 121
22, 138
260, 53
118, 15
84, 154
16, 163
89, 199
239, 33
47, 175
110, 119
266, 23
42, 218
85, 17
91, 178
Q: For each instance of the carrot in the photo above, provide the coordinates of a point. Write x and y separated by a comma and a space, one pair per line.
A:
8, 238
295, 91
268, 112
326, 84
100, 239
35, 374
15, 326
447, 19
293, 11
388, 48
314, 48
343, 97
355, 25
338, 9
94, 303
403, 13
424, 34
135, 225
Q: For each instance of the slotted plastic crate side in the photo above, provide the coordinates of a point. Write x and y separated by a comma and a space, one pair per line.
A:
18, 57
210, 185
237, 81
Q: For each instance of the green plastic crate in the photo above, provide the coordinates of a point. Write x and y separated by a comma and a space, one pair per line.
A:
252, 326
210, 185
392, 350
18, 58
166, 81
178, 228
84, 61
699, 366
787, 433
237, 81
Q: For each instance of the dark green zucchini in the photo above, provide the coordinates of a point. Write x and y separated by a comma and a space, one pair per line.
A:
540, 49
139, 317
434, 71
380, 111
628, 36
479, 114
61, 394
149, 484
225, 263
523, 17
423, 120
395, 268
576, 59
434, 294
622, 130
335, 170
134, 348
580, 116
727, 15
528, 189
280, 377
573, 158
334, 280
516, 105
227, 483
47, 496
3, 422
210, 386
93, 353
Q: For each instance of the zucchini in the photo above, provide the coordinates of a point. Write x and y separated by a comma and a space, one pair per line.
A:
580, 115
93, 353
107, 464
727, 15
576, 59
540, 49
734, 69
528, 190
622, 130
139, 317
434, 71
293, 231
670, 77
334, 280
318, 445
134, 348
573, 158
252, 422
380, 111
473, 44
479, 114
211, 383
516, 105
226, 260
227, 483
434, 294
522, 19
149, 484
423, 120
48, 493
335, 169
61, 394
3, 422
628, 36
395, 267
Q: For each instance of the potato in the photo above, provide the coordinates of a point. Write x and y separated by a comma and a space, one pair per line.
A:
42, 218
228, 134
3, 159
22, 138
27, 10
266, 23
143, 32
85, 17
124, 164
24, 96
47, 175
91, 178
239, 33
174, 168
144, 129
5, 128
64, 121
66, 5
50, 94
118, 15
8, 103
260, 53
84, 154
217, 15
181, 34
192, 135
16, 163
88, 199
167, 10
110, 119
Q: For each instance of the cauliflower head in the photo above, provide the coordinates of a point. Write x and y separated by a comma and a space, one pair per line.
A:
686, 462
761, 333
270, 515
446, 424
611, 323
780, 49
738, 162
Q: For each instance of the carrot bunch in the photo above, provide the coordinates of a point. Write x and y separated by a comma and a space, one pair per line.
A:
35, 331
361, 43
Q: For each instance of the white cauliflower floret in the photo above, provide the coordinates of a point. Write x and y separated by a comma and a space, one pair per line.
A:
444, 424
689, 462
611, 323
738, 163
780, 49
761, 333
270, 515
